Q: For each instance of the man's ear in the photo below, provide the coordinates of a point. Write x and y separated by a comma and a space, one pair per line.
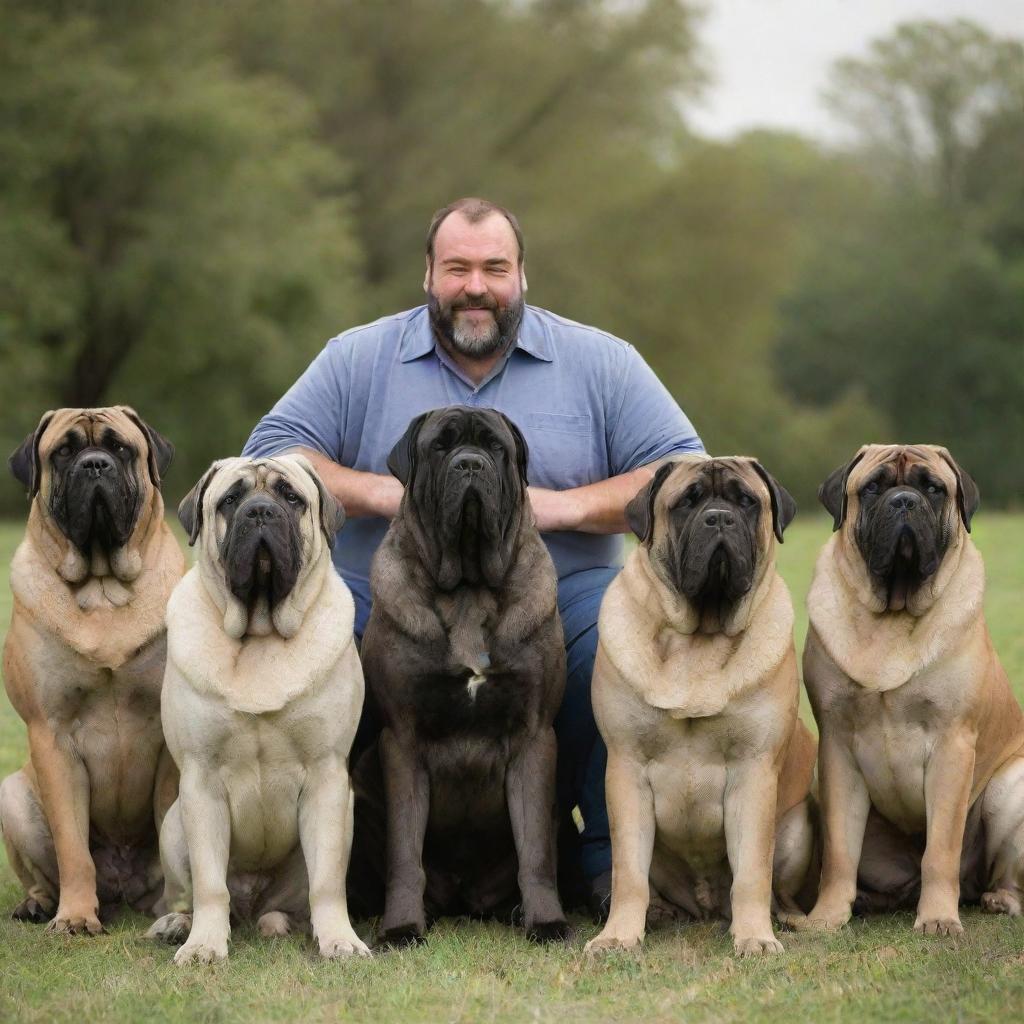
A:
24, 461
783, 504
640, 511
402, 459
426, 274
968, 498
522, 277
190, 511
161, 451
832, 493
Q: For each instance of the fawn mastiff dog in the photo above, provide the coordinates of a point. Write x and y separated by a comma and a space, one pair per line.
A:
922, 742
260, 704
695, 691
83, 665
465, 656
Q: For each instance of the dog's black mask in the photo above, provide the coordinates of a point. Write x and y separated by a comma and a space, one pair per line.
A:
464, 471
900, 529
262, 543
96, 495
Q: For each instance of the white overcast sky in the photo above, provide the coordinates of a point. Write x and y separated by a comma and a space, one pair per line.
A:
770, 58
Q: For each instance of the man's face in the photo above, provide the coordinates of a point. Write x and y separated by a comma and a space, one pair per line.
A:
475, 285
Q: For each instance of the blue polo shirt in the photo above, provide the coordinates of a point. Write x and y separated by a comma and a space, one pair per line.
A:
586, 402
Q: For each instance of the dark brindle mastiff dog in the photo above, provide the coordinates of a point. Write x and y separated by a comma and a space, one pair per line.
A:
696, 692
464, 655
84, 663
922, 742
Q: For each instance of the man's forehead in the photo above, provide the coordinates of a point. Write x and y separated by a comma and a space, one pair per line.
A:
490, 237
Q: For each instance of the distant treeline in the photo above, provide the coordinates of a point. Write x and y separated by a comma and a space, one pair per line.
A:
195, 196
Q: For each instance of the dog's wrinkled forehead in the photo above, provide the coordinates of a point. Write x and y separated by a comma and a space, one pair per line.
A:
90, 427
895, 464
718, 476
460, 425
265, 475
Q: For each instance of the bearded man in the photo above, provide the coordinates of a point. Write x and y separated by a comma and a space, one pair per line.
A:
593, 415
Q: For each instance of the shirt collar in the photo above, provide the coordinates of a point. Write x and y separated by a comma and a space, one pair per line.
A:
418, 339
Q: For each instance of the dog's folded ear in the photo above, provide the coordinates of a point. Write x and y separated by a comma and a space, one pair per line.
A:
640, 511
332, 512
783, 504
161, 451
968, 497
24, 461
832, 493
402, 459
190, 511
522, 448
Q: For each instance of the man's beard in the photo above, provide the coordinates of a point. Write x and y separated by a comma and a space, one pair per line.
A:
481, 340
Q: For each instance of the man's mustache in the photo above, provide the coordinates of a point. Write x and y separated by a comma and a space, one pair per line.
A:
487, 303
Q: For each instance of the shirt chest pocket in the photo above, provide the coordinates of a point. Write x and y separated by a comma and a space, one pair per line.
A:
565, 450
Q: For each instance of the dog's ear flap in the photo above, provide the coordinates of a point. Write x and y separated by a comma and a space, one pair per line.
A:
190, 511
25, 462
522, 448
640, 511
161, 451
402, 459
332, 512
832, 493
783, 504
968, 497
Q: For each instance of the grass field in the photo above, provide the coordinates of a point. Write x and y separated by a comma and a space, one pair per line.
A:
874, 970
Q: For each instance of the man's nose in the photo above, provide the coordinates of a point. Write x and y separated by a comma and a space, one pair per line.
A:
476, 283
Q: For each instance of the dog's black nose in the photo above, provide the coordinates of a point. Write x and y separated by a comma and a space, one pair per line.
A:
719, 517
263, 510
469, 462
95, 464
904, 501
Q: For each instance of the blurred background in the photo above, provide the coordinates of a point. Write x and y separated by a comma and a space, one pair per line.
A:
808, 216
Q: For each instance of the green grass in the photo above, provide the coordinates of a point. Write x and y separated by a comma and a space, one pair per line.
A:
874, 970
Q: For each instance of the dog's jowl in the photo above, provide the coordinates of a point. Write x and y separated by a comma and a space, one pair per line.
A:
695, 692
464, 656
83, 665
260, 705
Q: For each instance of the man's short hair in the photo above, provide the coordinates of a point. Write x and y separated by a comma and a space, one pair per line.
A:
474, 210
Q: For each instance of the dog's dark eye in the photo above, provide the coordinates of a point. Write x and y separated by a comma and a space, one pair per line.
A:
871, 487
291, 497
935, 489
746, 501
64, 449
119, 449
497, 446
228, 500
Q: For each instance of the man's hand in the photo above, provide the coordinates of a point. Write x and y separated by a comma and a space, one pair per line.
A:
596, 508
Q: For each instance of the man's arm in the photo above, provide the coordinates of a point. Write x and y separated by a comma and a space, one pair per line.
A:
595, 508
360, 493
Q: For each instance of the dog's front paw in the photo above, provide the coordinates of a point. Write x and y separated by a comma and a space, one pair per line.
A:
274, 925
75, 922
171, 928
549, 931
33, 911
345, 945
610, 942
1001, 901
402, 935
200, 952
943, 926
757, 945
820, 919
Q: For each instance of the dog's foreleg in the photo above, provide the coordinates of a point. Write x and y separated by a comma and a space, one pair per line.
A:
751, 793
325, 830
206, 818
947, 792
530, 790
631, 818
407, 790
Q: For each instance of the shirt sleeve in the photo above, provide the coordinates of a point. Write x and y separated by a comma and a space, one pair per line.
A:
311, 412
644, 422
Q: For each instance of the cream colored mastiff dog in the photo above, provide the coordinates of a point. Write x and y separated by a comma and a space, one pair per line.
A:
922, 742
261, 700
695, 691
84, 663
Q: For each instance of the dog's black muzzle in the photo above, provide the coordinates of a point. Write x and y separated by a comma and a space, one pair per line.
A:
261, 552
97, 504
716, 558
